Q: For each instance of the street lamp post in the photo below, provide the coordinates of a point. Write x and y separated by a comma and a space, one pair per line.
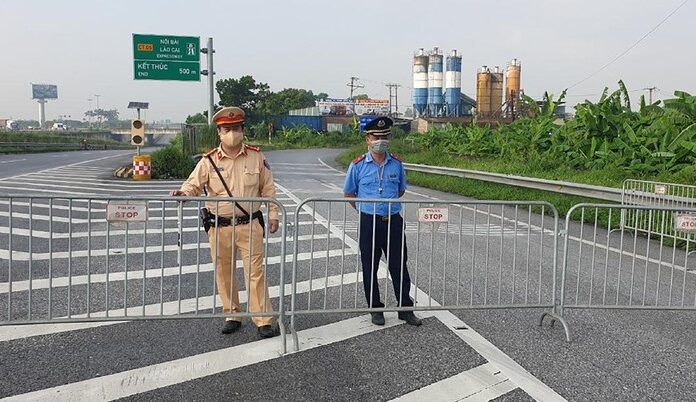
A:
98, 116
91, 106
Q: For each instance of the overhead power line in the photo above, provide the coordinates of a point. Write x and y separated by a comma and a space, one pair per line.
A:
630, 47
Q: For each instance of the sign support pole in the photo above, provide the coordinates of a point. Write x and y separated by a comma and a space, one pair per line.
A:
42, 113
211, 82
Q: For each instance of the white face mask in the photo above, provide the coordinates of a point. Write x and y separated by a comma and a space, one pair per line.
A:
232, 138
379, 146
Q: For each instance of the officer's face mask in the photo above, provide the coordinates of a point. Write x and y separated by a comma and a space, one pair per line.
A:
232, 136
379, 146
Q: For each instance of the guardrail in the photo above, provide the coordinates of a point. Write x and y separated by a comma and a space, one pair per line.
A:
563, 187
62, 145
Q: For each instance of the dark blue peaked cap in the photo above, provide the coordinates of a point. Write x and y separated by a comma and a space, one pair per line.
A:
379, 126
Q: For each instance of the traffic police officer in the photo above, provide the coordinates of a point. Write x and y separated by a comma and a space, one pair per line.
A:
379, 174
246, 174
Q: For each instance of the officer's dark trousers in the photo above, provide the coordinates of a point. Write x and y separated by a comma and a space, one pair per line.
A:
370, 258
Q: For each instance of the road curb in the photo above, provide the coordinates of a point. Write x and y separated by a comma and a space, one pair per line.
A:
124, 172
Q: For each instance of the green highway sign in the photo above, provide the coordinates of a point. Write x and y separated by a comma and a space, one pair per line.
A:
167, 70
166, 57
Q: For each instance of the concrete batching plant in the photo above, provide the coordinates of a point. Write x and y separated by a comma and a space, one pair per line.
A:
428, 96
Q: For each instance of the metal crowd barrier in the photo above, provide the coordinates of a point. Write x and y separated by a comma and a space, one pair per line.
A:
651, 268
82, 259
655, 194
460, 255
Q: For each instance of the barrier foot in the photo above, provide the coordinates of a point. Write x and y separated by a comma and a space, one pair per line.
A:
295, 340
283, 332
555, 317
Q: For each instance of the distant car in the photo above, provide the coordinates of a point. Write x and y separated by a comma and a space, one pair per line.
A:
59, 127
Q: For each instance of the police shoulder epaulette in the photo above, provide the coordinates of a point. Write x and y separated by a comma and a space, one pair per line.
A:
253, 148
211, 152
397, 157
358, 159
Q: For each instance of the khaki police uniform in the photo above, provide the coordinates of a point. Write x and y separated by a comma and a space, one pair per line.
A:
247, 175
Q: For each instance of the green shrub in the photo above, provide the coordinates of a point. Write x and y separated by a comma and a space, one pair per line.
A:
303, 137
171, 163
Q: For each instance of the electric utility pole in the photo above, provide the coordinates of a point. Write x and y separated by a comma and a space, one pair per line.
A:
353, 85
395, 96
650, 92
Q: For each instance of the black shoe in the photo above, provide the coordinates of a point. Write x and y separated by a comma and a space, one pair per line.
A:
377, 318
231, 326
410, 318
268, 331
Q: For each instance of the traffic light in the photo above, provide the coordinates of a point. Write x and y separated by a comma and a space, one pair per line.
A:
137, 132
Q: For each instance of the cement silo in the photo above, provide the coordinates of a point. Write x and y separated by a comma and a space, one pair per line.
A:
453, 84
497, 92
435, 99
420, 83
489, 93
512, 90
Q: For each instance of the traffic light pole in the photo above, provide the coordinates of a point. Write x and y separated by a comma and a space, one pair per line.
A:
137, 149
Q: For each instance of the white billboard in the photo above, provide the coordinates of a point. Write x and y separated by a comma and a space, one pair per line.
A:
335, 107
345, 107
372, 107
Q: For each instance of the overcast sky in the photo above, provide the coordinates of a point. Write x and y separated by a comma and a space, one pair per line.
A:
85, 47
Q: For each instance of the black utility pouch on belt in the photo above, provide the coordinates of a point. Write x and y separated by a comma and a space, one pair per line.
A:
243, 220
206, 218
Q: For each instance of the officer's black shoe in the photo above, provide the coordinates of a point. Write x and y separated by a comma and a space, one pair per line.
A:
410, 318
268, 331
231, 326
377, 318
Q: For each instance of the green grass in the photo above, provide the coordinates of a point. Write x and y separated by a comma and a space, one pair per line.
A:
482, 190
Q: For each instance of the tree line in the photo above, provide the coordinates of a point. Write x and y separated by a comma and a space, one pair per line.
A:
257, 99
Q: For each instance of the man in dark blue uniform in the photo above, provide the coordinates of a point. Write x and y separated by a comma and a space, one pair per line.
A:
379, 174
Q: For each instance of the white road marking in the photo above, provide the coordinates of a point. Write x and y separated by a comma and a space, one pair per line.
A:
170, 308
295, 164
530, 384
143, 379
481, 383
136, 272
40, 217
72, 164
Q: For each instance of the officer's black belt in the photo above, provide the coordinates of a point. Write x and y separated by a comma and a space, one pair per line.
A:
382, 218
222, 221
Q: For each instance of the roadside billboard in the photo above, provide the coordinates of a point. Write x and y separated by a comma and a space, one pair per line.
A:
345, 107
44, 91
372, 107
335, 107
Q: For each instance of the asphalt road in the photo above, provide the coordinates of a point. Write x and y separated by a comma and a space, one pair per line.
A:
12, 165
487, 255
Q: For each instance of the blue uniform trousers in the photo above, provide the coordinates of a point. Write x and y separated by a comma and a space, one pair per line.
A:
402, 286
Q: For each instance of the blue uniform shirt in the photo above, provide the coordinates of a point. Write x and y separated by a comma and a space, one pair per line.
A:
365, 179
